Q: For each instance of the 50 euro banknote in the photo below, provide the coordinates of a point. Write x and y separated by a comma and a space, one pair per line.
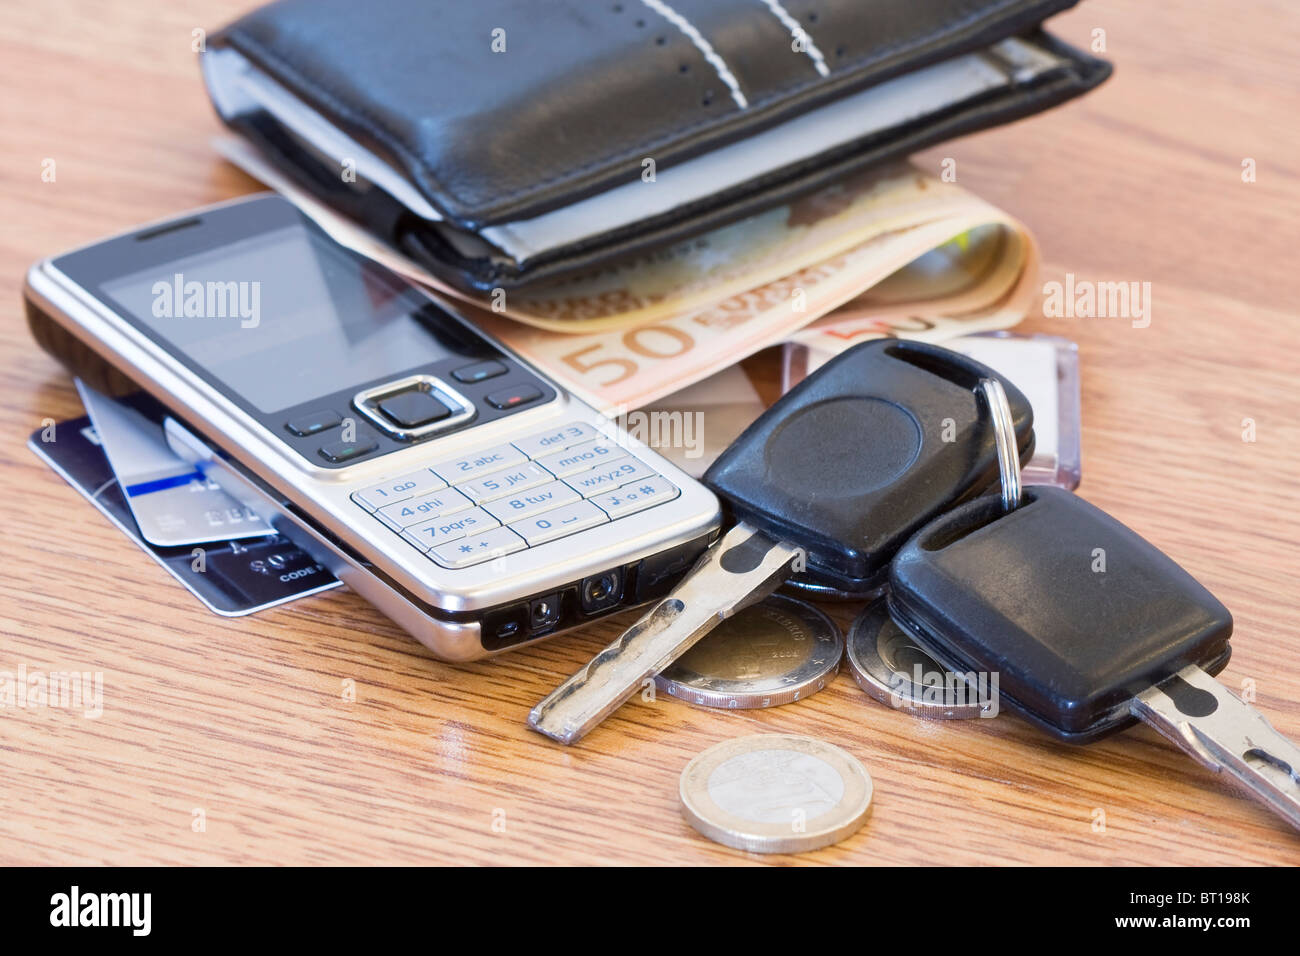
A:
891, 252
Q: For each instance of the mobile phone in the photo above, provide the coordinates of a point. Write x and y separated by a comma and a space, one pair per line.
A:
427, 466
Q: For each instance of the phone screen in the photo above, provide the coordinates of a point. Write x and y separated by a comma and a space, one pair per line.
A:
281, 317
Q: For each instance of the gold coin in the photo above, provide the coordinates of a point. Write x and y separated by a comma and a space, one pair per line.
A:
775, 793
773, 652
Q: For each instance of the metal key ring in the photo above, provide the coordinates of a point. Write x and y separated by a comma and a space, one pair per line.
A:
1004, 436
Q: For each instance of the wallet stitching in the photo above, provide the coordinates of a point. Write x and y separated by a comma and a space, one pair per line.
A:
797, 31
702, 44
970, 119
974, 10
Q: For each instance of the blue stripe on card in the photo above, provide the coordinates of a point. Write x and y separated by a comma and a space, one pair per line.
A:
162, 484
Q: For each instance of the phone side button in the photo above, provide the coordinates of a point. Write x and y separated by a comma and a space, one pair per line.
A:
477, 548
568, 519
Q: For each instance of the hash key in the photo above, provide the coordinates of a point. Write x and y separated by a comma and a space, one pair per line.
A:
635, 497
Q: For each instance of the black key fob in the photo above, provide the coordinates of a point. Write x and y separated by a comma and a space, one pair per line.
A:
857, 457
1073, 611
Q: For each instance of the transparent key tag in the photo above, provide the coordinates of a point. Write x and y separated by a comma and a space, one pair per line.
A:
1044, 367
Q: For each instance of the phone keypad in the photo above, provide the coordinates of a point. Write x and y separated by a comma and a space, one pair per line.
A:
507, 481
432, 533
403, 514
528, 503
589, 454
495, 501
477, 548
398, 489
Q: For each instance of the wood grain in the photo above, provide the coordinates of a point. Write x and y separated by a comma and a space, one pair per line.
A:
245, 720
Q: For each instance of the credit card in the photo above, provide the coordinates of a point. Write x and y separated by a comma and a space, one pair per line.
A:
231, 578
172, 502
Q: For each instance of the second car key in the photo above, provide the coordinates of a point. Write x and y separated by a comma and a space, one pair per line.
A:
828, 483
1088, 627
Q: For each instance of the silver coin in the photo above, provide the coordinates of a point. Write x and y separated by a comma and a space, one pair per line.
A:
773, 652
775, 793
888, 665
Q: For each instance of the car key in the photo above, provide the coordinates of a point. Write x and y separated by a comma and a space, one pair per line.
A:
828, 482
1089, 628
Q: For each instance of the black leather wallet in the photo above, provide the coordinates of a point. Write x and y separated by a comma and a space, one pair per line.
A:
506, 141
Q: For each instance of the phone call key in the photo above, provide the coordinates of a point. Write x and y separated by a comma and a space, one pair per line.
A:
636, 497
567, 519
398, 489
477, 548
403, 514
562, 436
341, 451
439, 531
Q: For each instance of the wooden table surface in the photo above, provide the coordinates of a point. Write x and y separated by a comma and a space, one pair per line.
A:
243, 723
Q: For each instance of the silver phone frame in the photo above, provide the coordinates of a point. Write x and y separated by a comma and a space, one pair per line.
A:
322, 495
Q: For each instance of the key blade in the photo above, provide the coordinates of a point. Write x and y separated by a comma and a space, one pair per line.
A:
740, 568
1205, 719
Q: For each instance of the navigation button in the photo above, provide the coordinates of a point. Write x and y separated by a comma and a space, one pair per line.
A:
413, 409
